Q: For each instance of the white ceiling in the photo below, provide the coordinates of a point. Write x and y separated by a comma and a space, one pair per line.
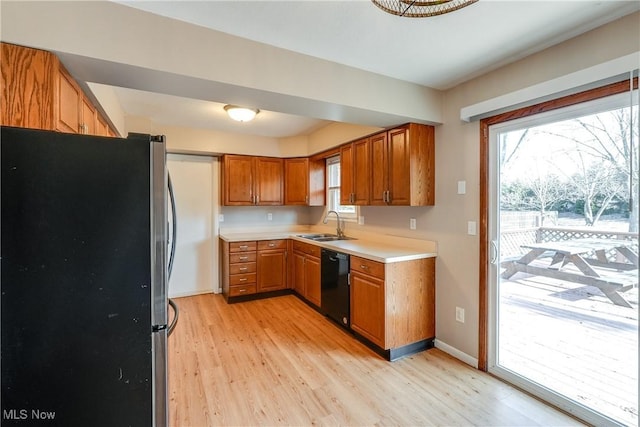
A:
438, 52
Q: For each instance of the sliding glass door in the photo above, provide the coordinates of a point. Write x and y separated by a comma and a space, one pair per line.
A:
563, 225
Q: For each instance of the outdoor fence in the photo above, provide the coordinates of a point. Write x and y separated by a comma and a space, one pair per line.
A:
511, 241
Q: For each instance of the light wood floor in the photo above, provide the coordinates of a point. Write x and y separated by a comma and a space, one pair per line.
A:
278, 362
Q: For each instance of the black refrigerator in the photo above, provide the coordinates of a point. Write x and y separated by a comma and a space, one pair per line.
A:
83, 279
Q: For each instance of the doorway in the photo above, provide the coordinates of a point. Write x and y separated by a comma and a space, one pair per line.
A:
563, 283
195, 268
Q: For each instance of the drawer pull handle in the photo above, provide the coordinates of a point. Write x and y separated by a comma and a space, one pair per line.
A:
241, 290
244, 258
243, 269
243, 247
365, 267
271, 245
244, 279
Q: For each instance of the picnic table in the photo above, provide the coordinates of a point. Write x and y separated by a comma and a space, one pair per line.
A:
612, 277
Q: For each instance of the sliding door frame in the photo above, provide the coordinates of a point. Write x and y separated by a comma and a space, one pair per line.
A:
578, 98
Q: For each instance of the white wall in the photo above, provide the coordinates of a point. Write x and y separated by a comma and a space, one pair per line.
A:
109, 43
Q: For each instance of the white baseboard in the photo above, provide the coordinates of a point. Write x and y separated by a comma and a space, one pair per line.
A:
191, 293
462, 356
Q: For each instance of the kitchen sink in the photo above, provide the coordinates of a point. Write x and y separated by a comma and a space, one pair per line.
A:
323, 237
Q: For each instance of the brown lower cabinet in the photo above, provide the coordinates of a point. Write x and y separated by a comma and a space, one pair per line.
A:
272, 265
239, 268
393, 305
253, 267
306, 271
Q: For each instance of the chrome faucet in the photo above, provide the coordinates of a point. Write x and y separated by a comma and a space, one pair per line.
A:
339, 228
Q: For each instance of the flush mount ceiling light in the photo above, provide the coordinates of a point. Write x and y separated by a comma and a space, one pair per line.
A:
241, 114
421, 9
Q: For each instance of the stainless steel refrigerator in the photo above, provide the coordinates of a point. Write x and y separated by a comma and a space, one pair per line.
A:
83, 279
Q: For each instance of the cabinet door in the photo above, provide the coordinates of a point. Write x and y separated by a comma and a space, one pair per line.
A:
379, 169
296, 181
317, 169
298, 273
346, 175
68, 103
361, 172
269, 181
367, 307
399, 184
26, 87
238, 180
88, 125
102, 128
271, 271
312, 279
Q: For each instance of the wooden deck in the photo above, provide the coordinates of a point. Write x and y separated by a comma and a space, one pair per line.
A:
572, 338
278, 362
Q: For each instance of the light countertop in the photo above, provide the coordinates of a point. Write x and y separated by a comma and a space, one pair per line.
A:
387, 250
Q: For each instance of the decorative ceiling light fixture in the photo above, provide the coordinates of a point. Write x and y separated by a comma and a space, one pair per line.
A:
421, 9
241, 114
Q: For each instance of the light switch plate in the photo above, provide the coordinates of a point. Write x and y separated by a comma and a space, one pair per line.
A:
412, 223
462, 187
471, 228
220, 218
269, 216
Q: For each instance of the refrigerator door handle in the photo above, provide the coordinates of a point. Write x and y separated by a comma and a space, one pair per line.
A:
159, 269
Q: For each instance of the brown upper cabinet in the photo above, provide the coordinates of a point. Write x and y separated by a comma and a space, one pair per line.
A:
38, 93
304, 182
403, 166
355, 172
27, 87
249, 180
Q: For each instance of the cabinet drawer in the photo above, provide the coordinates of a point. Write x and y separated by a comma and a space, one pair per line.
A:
242, 246
243, 268
307, 248
366, 266
271, 244
239, 290
242, 279
242, 257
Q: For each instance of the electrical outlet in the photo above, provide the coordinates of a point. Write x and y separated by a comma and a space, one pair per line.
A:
220, 218
269, 216
360, 220
412, 223
460, 314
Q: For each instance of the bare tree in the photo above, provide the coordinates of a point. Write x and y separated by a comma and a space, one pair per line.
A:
540, 192
606, 150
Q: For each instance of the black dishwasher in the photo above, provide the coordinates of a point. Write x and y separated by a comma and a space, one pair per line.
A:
335, 286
